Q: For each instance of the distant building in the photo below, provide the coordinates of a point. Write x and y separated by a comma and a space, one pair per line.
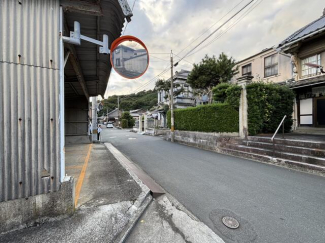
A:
186, 98
114, 115
137, 113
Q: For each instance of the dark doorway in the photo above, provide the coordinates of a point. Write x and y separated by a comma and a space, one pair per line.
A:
320, 106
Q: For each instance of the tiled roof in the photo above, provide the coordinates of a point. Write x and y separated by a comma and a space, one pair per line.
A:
308, 29
307, 82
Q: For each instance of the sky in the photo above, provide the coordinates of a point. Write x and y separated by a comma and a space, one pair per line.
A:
179, 25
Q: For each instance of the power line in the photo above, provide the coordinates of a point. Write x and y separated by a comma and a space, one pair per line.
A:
159, 58
213, 32
229, 27
183, 59
211, 26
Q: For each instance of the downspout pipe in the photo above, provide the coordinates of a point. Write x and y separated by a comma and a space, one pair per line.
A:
61, 99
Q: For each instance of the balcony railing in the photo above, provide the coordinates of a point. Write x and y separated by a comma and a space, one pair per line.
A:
184, 101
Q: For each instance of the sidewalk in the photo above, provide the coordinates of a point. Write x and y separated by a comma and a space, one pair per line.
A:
108, 201
112, 205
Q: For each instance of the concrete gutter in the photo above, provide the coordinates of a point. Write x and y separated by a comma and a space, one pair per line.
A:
143, 200
179, 225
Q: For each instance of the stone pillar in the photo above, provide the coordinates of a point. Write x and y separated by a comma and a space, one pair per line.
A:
243, 106
140, 123
145, 122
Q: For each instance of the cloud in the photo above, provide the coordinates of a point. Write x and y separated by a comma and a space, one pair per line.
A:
165, 25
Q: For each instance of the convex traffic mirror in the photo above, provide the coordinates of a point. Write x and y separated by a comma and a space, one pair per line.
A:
129, 57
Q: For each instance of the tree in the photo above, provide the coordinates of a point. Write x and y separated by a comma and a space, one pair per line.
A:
127, 116
164, 85
210, 72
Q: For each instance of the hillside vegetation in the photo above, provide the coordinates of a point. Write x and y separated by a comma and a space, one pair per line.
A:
142, 100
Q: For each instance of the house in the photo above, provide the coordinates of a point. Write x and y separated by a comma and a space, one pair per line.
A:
186, 97
137, 113
268, 65
114, 115
183, 100
130, 62
307, 49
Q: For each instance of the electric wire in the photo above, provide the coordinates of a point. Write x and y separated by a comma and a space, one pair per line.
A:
211, 26
229, 27
213, 32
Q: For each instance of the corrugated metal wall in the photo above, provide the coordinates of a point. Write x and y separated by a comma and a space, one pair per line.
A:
29, 98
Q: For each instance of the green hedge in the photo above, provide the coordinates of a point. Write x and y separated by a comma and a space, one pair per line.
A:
206, 118
267, 104
227, 93
124, 123
130, 120
219, 92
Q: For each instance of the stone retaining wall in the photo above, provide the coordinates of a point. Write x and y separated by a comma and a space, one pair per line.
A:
208, 141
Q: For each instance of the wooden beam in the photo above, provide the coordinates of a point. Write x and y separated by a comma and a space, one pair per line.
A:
82, 7
77, 68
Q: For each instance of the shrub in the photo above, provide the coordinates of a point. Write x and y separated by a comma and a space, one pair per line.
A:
227, 93
233, 96
124, 123
267, 104
206, 118
130, 120
219, 92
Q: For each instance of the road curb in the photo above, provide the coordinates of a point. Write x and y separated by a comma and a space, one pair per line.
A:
140, 204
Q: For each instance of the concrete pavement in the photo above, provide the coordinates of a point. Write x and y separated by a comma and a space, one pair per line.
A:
111, 205
273, 204
108, 200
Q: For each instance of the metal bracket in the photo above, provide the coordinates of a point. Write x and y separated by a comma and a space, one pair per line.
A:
75, 39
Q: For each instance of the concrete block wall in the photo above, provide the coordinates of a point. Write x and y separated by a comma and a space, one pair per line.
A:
26, 212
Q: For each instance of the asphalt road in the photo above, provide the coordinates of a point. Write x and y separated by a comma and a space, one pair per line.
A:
272, 204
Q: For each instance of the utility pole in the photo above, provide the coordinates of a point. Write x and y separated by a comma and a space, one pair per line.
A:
94, 117
118, 109
171, 98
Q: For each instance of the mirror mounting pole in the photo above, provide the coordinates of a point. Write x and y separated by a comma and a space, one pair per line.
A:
75, 39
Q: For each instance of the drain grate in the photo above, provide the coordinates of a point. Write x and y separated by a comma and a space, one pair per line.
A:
230, 222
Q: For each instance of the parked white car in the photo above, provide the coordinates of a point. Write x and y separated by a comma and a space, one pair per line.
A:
110, 125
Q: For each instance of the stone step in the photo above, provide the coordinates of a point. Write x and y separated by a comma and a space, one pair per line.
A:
278, 154
286, 148
277, 161
289, 142
310, 130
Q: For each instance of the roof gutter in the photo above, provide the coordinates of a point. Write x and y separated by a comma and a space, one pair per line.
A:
303, 37
306, 85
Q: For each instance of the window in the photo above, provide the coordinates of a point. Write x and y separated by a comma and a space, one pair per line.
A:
247, 70
117, 62
309, 71
125, 50
271, 65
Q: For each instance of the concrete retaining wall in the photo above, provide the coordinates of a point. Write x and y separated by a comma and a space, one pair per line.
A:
26, 212
208, 141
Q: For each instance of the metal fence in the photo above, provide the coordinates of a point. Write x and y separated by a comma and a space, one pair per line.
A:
29, 100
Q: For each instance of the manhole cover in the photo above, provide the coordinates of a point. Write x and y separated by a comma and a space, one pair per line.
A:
230, 222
